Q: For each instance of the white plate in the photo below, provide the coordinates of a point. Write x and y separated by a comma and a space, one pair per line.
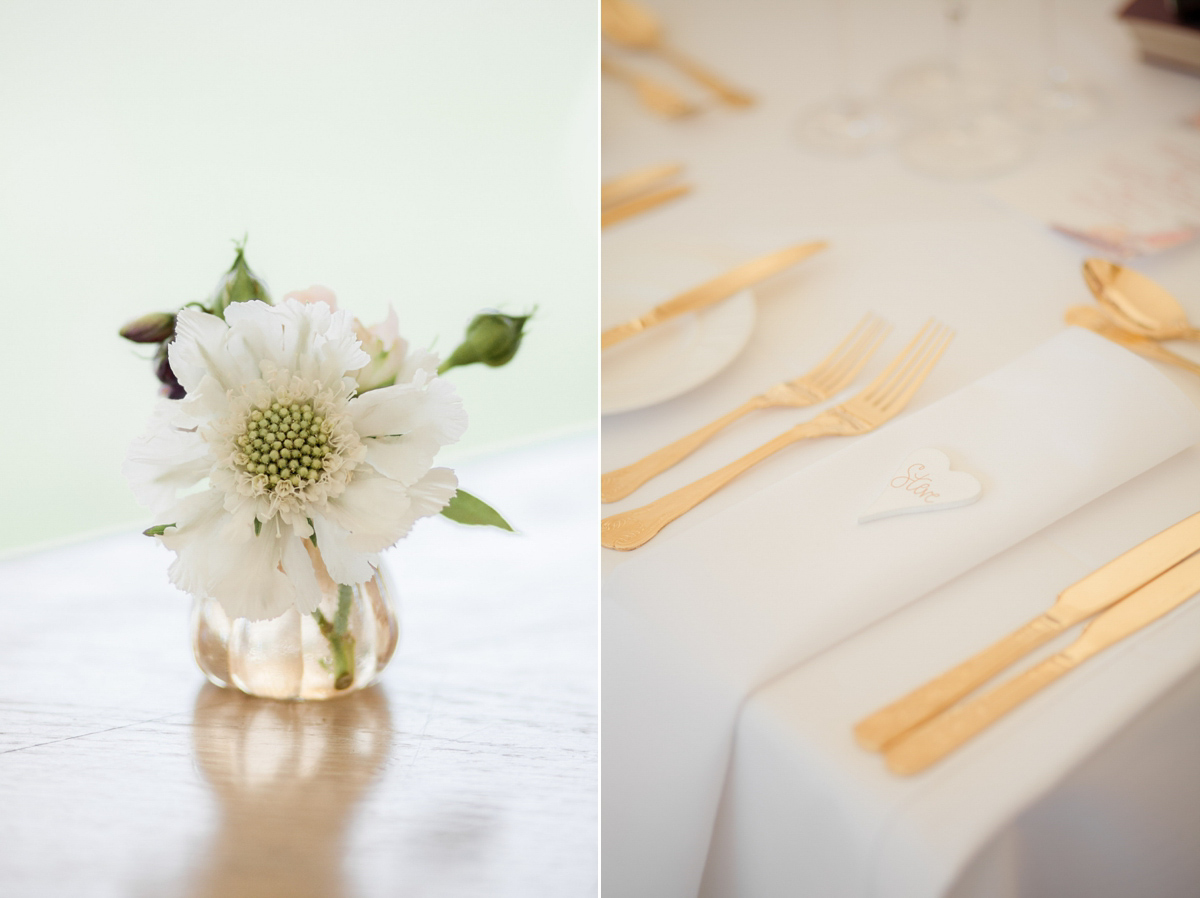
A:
678, 355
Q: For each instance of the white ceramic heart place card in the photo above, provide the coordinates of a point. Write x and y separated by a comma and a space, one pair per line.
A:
924, 482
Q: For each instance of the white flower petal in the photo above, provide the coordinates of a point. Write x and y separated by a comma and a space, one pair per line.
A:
197, 521
406, 424
373, 510
165, 459
299, 567
199, 348
241, 573
257, 331
345, 564
432, 492
378, 512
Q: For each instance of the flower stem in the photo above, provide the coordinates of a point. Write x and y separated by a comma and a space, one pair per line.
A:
341, 642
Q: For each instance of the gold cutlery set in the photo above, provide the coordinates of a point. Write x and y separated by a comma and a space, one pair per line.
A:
1135, 312
881, 401
1122, 597
631, 26
1117, 600
639, 191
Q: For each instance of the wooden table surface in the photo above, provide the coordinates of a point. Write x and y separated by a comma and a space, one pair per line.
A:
470, 769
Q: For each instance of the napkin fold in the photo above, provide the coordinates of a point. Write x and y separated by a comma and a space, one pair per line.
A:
694, 625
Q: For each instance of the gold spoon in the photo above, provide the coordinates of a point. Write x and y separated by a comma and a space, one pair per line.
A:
1098, 322
1136, 303
631, 25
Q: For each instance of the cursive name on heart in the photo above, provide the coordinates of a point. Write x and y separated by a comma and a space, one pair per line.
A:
924, 482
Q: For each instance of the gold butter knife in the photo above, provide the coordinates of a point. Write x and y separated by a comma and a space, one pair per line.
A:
714, 291
943, 734
1095, 592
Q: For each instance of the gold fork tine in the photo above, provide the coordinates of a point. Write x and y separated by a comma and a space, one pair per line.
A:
919, 376
848, 367
885, 377
830, 376
825, 371
882, 396
832, 358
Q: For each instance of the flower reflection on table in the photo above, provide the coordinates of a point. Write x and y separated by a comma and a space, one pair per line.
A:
287, 777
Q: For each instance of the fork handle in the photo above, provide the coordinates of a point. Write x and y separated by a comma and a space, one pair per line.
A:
726, 92
620, 483
631, 529
888, 724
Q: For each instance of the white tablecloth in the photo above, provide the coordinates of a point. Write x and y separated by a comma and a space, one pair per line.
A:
906, 247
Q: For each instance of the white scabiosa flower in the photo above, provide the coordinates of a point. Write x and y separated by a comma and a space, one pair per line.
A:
289, 449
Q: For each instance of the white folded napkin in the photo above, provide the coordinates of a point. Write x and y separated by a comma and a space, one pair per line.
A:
695, 624
805, 811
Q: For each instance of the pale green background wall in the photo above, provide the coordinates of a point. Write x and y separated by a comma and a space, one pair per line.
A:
438, 155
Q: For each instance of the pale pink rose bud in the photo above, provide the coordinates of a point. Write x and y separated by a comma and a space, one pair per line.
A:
382, 342
315, 293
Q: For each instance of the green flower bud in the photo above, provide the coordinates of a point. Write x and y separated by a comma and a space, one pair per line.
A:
153, 328
492, 338
239, 284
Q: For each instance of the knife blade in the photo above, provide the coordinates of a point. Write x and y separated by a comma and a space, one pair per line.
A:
714, 291
1095, 592
933, 741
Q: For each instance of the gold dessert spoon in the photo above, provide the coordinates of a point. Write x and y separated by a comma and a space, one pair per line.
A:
1136, 303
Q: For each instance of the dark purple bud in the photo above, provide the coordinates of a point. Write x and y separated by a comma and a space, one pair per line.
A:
171, 388
152, 328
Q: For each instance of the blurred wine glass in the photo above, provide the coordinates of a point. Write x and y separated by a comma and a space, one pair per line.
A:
939, 85
960, 127
1058, 98
851, 122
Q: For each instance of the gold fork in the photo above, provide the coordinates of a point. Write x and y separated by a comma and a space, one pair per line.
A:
831, 376
882, 400
653, 94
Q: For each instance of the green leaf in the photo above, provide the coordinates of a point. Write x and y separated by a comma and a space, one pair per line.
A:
257, 526
466, 509
156, 530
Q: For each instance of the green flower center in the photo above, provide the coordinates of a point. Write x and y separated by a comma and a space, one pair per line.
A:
287, 444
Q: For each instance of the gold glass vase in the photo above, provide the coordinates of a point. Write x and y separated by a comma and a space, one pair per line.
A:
338, 649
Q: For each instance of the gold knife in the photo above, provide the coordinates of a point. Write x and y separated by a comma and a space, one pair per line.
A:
942, 735
626, 187
610, 215
1098, 322
714, 291
1095, 592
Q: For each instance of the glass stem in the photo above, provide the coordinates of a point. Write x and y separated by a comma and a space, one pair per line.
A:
341, 642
